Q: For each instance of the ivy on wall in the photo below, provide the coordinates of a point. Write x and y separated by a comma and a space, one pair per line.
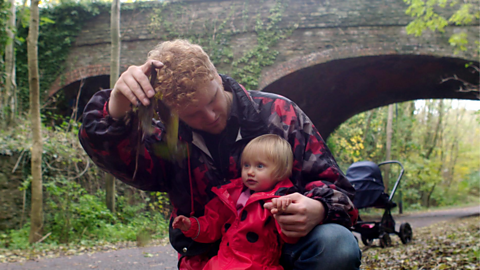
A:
4, 14
217, 35
249, 67
215, 39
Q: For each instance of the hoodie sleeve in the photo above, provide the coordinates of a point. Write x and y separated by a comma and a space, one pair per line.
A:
113, 145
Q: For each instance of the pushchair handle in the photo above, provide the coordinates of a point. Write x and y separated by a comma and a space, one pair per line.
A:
398, 179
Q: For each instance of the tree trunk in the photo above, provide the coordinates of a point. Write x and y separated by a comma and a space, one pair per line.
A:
36, 217
114, 73
366, 130
10, 86
429, 196
454, 151
388, 148
437, 130
110, 192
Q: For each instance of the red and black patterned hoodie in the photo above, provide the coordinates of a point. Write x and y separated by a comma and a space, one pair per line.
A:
112, 145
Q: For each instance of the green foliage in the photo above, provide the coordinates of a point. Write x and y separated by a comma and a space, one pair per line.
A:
71, 211
160, 203
4, 15
438, 172
471, 184
75, 210
435, 15
360, 138
59, 26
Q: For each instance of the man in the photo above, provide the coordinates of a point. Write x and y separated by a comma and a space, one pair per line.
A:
218, 118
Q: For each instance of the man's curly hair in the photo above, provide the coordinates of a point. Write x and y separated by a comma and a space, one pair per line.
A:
186, 65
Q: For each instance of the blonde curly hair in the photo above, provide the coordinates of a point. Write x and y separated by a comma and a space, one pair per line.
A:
186, 65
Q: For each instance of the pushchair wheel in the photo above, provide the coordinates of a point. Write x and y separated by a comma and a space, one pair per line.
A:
385, 240
405, 233
367, 241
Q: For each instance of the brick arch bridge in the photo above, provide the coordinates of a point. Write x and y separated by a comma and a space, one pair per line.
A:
341, 58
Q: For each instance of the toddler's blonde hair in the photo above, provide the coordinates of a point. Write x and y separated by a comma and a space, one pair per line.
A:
274, 148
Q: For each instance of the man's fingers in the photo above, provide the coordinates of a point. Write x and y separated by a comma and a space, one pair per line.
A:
147, 70
134, 84
294, 196
285, 219
140, 85
286, 203
148, 65
293, 233
136, 79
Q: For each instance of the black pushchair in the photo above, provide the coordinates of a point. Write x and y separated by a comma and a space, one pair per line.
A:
367, 180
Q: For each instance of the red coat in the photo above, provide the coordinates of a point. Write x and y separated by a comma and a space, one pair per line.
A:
251, 239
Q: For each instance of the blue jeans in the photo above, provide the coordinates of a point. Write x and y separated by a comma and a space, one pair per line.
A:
327, 246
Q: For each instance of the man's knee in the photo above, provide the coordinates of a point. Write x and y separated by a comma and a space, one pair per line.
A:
339, 240
328, 246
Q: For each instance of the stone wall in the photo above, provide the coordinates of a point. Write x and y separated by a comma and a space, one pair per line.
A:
11, 198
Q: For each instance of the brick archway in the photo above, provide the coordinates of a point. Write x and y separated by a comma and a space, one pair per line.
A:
79, 74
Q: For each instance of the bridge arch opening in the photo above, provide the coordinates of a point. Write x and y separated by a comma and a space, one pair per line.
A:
65, 99
331, 92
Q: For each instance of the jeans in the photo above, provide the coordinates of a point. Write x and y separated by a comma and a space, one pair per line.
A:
327, 246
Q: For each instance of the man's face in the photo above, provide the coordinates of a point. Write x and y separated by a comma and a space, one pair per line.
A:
211, 108
257, 174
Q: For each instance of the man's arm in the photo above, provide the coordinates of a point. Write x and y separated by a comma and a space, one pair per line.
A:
329, 198
113, 145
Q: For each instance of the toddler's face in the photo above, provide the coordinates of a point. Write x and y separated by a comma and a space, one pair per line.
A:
257, 174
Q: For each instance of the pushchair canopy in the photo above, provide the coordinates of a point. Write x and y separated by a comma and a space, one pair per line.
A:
367, 180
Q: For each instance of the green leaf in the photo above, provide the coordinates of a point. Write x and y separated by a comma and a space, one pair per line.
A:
46, 20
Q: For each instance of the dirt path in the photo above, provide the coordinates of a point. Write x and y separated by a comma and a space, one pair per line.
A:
164, 257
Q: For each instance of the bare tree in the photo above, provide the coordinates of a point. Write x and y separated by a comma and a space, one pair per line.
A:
36, 216
114, 73
388, 148
10, 86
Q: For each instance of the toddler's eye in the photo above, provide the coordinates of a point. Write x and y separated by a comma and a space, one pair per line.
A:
246, 165
260, 166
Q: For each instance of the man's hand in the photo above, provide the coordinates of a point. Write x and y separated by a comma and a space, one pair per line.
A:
181, 222
132, 86
300, 217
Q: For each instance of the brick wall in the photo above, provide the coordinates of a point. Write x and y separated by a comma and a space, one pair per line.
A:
325, 30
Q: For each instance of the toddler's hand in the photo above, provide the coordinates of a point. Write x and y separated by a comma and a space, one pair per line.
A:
280, 205
181, 222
